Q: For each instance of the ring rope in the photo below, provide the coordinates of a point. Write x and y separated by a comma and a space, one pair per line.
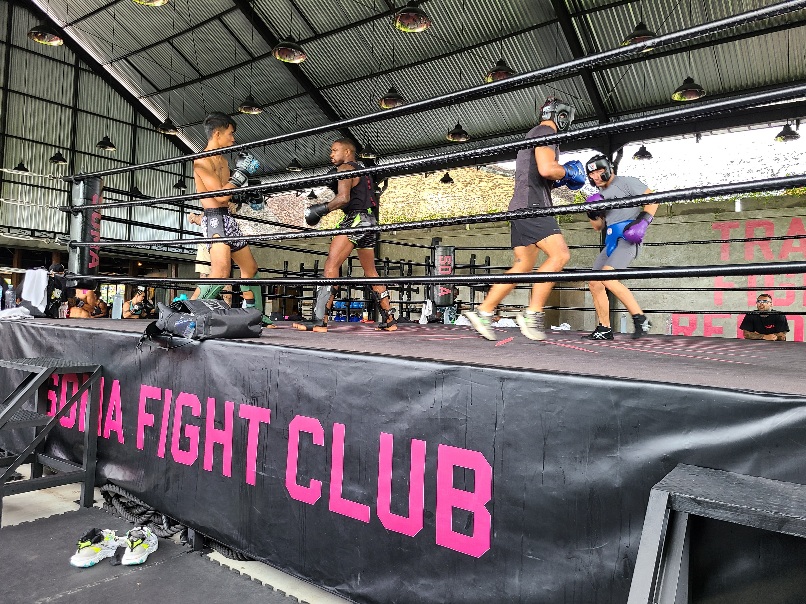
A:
729, 270
679, 195
484, 90
672, 116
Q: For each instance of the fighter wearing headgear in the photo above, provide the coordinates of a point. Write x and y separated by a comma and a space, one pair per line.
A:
625, 230
213, 174
537, 172
357, 198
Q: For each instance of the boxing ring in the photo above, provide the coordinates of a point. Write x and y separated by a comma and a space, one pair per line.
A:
428, 465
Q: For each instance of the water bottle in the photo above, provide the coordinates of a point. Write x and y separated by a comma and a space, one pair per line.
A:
186, 326
117, 306
11, 297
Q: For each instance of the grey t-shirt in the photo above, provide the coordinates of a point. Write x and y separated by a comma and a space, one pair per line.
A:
531, 189
619, 188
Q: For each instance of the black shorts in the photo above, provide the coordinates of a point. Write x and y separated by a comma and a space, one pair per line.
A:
528, 231
217, 221
360, 218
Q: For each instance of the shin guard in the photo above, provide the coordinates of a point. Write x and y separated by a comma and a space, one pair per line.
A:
387, 320
322, 305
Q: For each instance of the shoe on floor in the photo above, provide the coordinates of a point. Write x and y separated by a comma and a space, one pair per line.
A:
140, 543
95, 546
532, 324
642, 326
600, 333
482, 323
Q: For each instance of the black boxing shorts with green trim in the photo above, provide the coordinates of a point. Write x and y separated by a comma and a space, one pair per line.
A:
217, 221
360, 218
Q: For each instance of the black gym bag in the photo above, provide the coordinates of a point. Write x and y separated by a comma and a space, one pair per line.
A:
204, 320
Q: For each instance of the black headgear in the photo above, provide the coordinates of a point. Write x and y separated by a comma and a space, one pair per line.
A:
595, 163
558, 112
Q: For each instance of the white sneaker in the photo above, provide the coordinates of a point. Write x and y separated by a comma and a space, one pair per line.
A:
482, 323
95, 546
531, 324
140, 543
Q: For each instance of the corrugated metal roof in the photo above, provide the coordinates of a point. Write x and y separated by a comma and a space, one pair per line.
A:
349, 43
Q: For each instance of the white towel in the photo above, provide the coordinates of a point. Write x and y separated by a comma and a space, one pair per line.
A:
15, 313
35, 288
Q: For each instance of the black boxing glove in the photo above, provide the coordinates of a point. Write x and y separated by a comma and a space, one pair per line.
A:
314, 213
135, 309
245, 166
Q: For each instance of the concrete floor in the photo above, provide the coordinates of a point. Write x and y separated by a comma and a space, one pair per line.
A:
27, 507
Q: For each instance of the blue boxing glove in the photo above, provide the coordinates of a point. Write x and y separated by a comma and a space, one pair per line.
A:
594, 214
245, 165
636, 230
574, 177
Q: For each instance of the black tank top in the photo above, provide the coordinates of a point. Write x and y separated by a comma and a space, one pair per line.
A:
362, 195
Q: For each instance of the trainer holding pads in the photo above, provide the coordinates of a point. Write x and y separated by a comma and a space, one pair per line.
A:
625, 230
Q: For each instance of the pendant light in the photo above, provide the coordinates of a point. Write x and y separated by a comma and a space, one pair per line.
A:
58, 159
446, 179
412, 19
787, 134
294, 166
499, 71
249, 106
391, 99
105, 144
151, 2
20, 168
368, 152
642, 154
689, 90
458, 134
287, 50
181, 185
168, 127
46, 34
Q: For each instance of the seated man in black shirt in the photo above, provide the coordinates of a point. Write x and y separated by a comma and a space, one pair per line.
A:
764, 323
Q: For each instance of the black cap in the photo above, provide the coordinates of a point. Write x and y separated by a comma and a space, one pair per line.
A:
56, 268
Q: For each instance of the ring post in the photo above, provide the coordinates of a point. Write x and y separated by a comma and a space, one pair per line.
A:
85, 227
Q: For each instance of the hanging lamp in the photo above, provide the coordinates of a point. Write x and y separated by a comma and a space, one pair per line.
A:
167, 127
458, 134
20, 168
689, 90
294, 166
288, 51
106, 145
642, 154
250, 106
499, 71
787, 134
391, 99
446, 179
412, 19
368, 152
58, 159
641, 33
46, 34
